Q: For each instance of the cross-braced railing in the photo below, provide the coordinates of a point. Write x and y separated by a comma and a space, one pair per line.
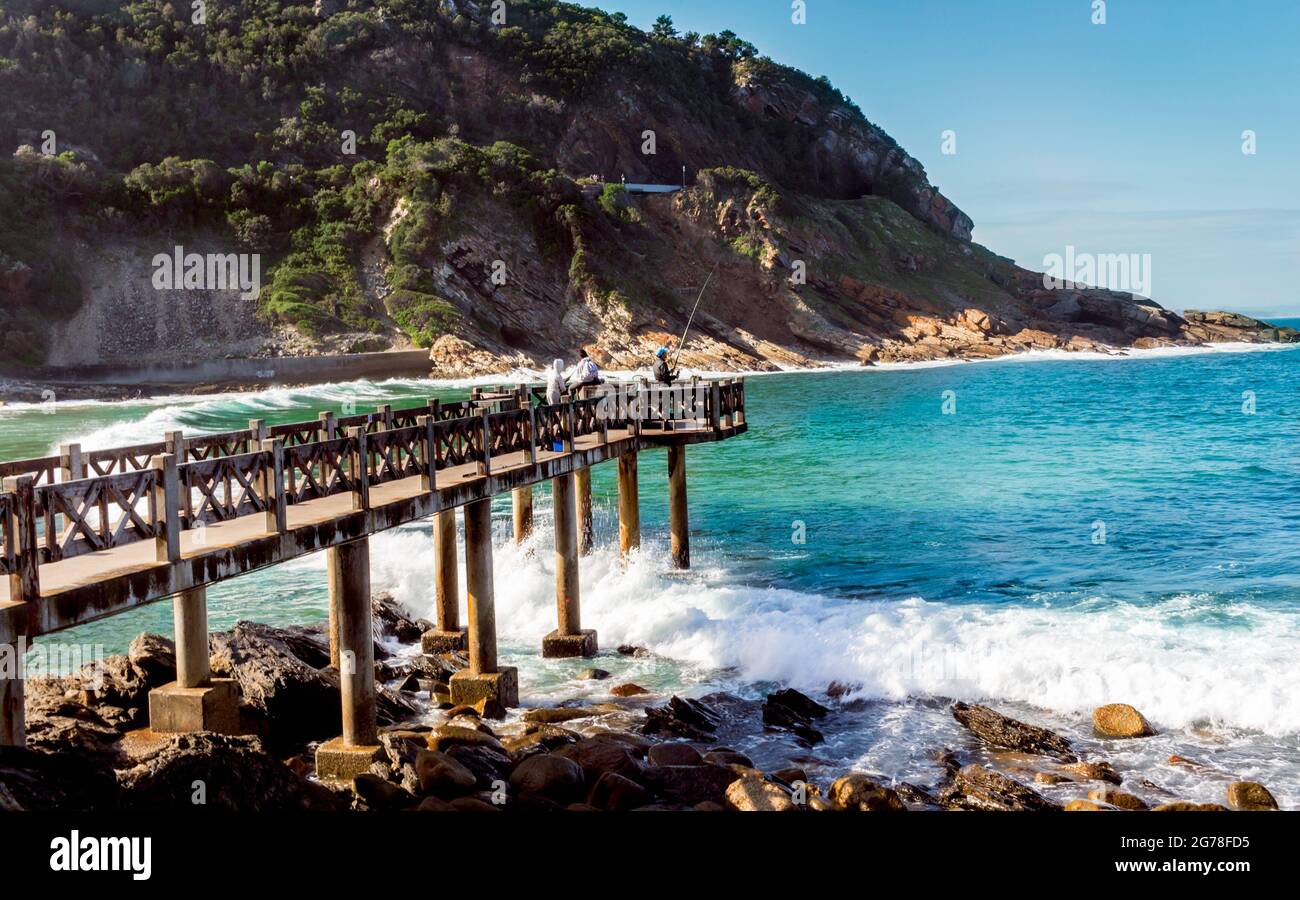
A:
98, 513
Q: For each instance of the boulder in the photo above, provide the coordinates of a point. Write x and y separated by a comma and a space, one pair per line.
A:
1002, 731
58, 724
1095, 770
675, 754
627, 690
1250, 796
792, 711
556, 714
1186, 806
978, 788
1118, 799
445, 736
1119, 720
390, 618
598, 755
380, 794
615, 793
593, 675
443, 776
689, 784
861, 793
725, 757
61, 780
689, 719
753, 794
473, 804
548, 775
234, 774
1080, 805
488, 765
154, 656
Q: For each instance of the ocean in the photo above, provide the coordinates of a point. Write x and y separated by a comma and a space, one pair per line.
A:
1044, 533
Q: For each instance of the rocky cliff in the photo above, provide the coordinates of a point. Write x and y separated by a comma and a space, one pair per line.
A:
418, 173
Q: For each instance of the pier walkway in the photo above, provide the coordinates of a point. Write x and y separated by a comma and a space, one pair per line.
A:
90, 534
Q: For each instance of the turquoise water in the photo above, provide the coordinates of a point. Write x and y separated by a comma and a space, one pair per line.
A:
1071, 531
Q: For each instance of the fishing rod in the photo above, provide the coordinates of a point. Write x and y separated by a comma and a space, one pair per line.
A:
682, 342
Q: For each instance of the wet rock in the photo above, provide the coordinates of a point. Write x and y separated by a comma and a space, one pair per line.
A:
675, 754
390, 618
792, 711
555, 714
113, 682
473, 804
633, 650
916, 796
947, 760
1080, 805
1185, 806
235, 773
1095, 770
791, 775
998, 730
1119, 720
598, 755
433, 804
411, 684
615, 793
689, 784
443, 776
627, 690
63, 780
488, 765
381, 794
839, 689
549, 776
978, 788
861, 793
752, 794
800, 704
154, 656
62, 725
1118, 799
1051, 778
689, 719
726, 757
445, 736
538, 738
593, 675
1251, 796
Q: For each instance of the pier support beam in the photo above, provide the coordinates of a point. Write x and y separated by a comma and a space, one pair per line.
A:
586, 535
629, 505
484, 681
522, 498
345, 757
195, 701
449, 635
568, 639
678, 520
13, 721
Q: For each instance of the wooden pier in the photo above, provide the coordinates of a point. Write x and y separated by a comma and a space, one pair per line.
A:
89, 534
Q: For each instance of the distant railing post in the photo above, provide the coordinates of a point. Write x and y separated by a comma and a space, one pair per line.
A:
485, 458
256, 434
360, 469
175, 441
435, 408
715, 406
277, 502
386, 413
570, 426
738, 400
428, 455
166, 504
326, 420
71, 466
532, 434
25, 580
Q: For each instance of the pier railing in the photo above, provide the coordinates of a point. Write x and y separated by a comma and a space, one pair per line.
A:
59, 507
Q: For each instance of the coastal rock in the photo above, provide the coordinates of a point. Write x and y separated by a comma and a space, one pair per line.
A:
689, 719
445, 736
1186, 806
380, 794
487, 764
598, 755
627, 690
548, 775
555, 714
978, 788
593, 675
390, 618
1051, 778
1119, 720
1118, 799
442, 775
1079, 805
1250, 796
725, 757
675, 754
792, 711
861, 793
998, 730
614, 793
753, 794
473, 804
154, 656
689, 784
214, 771
59, 724
62, 780
1095, 770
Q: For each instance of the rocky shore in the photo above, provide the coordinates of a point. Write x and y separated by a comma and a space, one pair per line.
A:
90, 748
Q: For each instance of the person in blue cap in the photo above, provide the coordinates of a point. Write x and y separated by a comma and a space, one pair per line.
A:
663, 374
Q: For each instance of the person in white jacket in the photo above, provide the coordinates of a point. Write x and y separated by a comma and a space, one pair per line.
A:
555, 385
585, 372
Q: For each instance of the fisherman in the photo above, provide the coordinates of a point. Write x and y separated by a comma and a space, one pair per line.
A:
555, 382
662, 373
586, 371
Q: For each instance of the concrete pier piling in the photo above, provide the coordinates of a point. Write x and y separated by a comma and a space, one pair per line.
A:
678, 520
352, 753
586, 531
522, 501
484, 681
568, 639
195, 701
629, 505
449, 634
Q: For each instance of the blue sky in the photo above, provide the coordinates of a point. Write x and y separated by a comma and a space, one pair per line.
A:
1115, 138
